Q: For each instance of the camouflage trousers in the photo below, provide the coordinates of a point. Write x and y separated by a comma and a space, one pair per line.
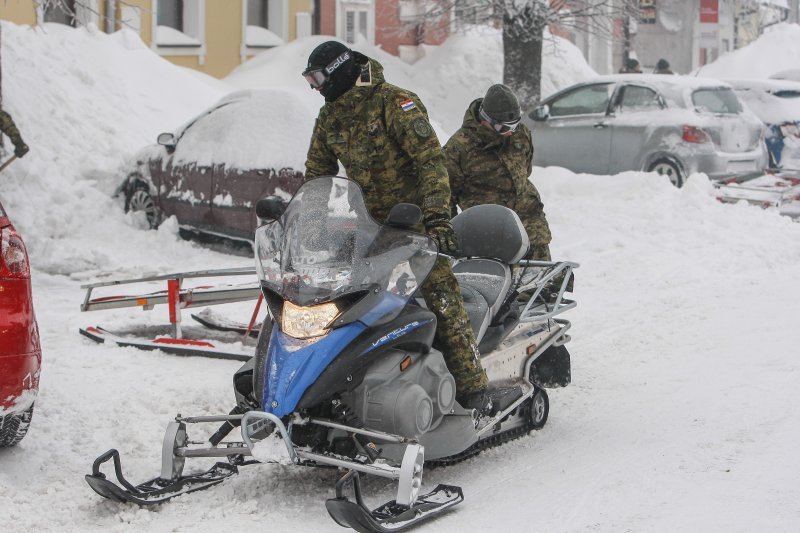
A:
454, 336
539, 252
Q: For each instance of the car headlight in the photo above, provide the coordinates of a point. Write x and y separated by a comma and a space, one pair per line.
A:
305, 322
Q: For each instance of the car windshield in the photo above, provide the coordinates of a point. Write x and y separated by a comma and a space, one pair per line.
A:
2, 213
719, 100
326, 245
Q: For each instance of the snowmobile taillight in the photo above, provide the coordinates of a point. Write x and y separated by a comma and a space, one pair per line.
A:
790, 129
305, 322
13, 257
405, 363
692, 134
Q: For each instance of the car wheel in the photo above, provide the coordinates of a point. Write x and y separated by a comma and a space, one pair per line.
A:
540, 408
14, 427
141, 200
668, 168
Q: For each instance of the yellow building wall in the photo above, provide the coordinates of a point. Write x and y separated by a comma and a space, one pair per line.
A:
18, 11
223, 29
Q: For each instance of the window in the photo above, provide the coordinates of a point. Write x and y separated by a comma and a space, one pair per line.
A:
717, 101
584, 101
356, 20
264, 24
635, 98
62, 12
178, 26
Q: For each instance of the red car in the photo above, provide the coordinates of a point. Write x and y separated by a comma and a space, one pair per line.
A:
20, 352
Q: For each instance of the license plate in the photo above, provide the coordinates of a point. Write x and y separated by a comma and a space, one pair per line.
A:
740, 166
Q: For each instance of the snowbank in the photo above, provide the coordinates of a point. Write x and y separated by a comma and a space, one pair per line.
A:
447, 79
86, 102
776, 50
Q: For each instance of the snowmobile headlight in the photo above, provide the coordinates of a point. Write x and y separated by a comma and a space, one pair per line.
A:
304, 322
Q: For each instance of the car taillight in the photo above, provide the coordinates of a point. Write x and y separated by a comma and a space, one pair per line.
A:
13, 257
790, 129
695, 135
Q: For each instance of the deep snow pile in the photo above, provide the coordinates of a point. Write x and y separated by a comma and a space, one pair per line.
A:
778, 49
447, 79
84, 101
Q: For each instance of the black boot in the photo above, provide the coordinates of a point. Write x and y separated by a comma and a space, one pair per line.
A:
478, 400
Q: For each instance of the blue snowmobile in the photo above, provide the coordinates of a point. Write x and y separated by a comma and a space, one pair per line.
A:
345, 374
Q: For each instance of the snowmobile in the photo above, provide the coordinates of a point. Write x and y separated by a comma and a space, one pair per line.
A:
345, 374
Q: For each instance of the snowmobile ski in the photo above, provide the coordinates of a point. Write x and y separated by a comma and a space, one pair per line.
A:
218, 323
391, 516
157, 490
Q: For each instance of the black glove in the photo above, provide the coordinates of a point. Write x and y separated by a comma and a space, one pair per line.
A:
441, 230
21, 149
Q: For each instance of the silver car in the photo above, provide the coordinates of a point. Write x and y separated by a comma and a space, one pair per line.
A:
673, 125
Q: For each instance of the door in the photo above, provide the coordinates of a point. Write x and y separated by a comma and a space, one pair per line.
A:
356, 21
576, 134
636, 109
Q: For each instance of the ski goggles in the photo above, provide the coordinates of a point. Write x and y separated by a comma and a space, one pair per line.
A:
318, 76
499, 127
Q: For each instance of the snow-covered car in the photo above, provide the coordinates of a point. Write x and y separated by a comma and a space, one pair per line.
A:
774, 189
20, 351
212, 171
673, 125
777, 104
792, 74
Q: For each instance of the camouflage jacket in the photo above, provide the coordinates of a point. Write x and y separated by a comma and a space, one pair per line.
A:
383, 138
8, 127
487, 168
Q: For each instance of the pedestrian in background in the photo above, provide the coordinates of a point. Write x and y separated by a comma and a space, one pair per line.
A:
631, 66
662, 67
8, 127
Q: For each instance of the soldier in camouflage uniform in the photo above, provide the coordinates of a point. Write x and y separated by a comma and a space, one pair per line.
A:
382, 136
489, 161
8, 127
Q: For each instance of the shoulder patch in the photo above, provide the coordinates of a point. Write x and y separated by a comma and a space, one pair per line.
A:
422, 128
407, 105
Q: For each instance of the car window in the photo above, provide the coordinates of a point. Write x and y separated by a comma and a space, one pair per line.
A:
718, 100
584, 101
2, 213
636, 98
787, 93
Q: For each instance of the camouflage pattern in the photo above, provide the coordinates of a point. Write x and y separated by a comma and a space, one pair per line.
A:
382, 136
8, 127
487, 168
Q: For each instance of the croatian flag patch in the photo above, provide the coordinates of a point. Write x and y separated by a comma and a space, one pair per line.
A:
407, 105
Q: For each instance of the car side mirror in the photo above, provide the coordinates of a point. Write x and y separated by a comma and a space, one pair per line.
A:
270, 208
166, 139
404, 216
541, 113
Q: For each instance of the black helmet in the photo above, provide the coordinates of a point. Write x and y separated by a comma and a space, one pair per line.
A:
501, 104
332, 69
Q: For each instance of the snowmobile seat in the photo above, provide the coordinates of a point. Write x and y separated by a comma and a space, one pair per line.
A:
477, 310
491, 237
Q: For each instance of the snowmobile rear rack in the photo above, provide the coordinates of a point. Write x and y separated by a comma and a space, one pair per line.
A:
542, 307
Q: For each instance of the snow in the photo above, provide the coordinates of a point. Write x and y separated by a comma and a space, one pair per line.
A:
776, 50
680, 415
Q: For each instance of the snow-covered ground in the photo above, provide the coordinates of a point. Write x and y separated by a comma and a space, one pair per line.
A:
685, 344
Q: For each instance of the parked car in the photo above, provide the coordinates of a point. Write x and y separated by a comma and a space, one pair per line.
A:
673, 125
777, 104
792, 74
20, 351
212, 171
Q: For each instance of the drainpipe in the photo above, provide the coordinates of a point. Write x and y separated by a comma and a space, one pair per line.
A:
111, 16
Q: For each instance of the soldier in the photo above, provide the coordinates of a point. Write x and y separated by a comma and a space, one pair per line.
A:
8, 127
382, 136
489, 161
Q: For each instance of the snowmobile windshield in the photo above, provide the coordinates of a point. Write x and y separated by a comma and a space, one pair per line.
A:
326, 245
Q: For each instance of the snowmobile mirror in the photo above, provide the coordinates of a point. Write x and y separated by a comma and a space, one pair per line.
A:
404, 216
166, 139
270, 208
540, 113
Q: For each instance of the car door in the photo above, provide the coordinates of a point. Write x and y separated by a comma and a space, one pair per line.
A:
575, 135
236, 193
635, 110
184, 190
